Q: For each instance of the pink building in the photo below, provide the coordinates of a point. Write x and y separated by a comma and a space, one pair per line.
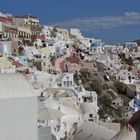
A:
69, 64
58, 63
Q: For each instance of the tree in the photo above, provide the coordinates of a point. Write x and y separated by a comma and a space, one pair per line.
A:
105, 100
129, 61
96, 86
102, 113
121, 87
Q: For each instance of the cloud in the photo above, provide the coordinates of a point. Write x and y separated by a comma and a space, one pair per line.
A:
102, 23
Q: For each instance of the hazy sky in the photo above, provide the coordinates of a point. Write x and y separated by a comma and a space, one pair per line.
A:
111, 20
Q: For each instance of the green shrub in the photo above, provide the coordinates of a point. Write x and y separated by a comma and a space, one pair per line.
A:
121, 87
96, 86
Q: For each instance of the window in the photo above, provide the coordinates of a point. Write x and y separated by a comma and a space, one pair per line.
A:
64, 83
68, 83
85, 99
49, 70
71, 83
50, 44
91, 115
91, 120
41, 121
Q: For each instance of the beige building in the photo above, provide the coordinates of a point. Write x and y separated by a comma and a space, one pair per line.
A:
43, 65
28, 25
26, 20
65, 33
15, 47
5, 63
47, 66
44, 51
8, 31
24, 32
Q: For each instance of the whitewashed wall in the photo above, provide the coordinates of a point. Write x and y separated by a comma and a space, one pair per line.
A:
18, 118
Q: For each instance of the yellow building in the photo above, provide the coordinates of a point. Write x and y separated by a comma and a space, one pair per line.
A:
46, 65
24, 32
65, 33
45, 51
5, 63
15, 48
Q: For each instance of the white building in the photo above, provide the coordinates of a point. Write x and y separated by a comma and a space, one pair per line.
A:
50, 43
18, 107
135, 52
60, 48
47, 31
76, 33
42, 80
126, 52
89, 112
32, 52
86, 44
57, 47
92, 131
88, 105
38, 43
97, 46
66, 80
131, 44
26, 20
126, 77
6, 48
65, 33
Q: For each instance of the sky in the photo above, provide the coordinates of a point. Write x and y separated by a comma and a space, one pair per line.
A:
113, 21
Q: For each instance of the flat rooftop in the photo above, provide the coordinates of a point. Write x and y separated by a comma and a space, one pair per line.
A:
15, 85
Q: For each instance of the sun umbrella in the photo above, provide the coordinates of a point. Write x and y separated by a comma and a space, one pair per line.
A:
50, 114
